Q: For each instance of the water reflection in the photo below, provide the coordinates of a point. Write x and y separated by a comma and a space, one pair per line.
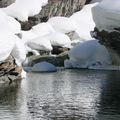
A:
109, 106
65, 95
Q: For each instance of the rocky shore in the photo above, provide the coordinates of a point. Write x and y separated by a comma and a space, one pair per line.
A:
9, 71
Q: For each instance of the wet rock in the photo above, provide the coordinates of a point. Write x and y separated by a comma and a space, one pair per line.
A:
57, 60
9, 71
58, 50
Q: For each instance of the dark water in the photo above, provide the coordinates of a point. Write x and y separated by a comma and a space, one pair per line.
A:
65, 95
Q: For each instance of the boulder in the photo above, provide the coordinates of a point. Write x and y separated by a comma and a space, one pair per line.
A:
57, 60
44, 67
109, 39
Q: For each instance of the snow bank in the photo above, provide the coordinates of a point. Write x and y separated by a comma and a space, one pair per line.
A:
40, 43
28, 35
58, 39
7, 43
9, 24
22, 9
62, 24
43, 29
44, 67
107, 14
19, 51
84, 21
87, 54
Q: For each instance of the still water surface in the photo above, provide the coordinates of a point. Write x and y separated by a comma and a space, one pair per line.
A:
64, 95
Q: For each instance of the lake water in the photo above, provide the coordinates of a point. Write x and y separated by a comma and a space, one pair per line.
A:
64, 95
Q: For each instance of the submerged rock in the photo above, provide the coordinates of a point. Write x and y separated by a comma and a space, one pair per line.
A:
44, 67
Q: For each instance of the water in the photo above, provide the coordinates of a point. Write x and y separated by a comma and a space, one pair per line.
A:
64, 95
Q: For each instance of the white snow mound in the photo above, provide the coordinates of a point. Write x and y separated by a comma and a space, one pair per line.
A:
19, 51
22, 9
107, 14
87, 54
62, 24
43, 29
40, 43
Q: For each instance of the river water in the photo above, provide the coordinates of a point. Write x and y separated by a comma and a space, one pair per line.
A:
63, 95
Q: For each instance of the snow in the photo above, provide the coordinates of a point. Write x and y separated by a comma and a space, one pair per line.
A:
43, 29
44, 67
87, 54
106, 14
58, 39
84, 21
19, 51
62, 24
7, 43
40, 43
28, 35
22, 9
9, 24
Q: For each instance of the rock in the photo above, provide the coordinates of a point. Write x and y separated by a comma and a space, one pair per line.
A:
44, 67
61, 8
58, 50
54, 8
27, 25
5, 3
58, 60
88, 1
9, 71
109, 39
112, 41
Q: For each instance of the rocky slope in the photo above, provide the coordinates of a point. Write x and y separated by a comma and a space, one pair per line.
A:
54, 8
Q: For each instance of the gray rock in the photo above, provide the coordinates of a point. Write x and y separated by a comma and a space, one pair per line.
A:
88, 1
111, 40
9, 71
58, 50
5, 3
58, 60
54, 8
